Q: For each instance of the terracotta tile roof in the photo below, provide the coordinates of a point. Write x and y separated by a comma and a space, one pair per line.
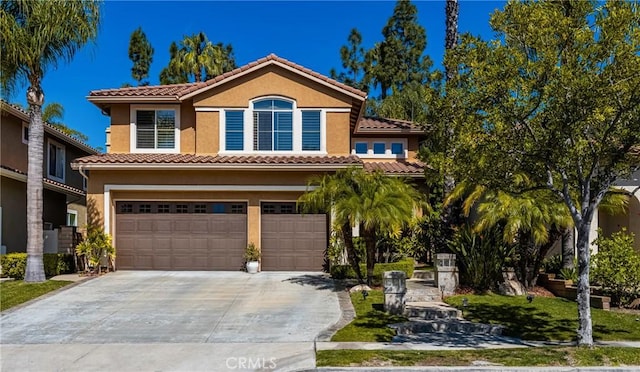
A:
170, 90
179, 91
370, 125
189, 159
24, 115
47, 181
396, 168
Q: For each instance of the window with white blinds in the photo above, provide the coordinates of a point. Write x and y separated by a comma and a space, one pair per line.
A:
273, 125
156, 129
310, 130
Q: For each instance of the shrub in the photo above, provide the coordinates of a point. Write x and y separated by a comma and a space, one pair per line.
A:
553, 264
15, 264
251, 253
481, 256
94, 247
347, 272
616, 267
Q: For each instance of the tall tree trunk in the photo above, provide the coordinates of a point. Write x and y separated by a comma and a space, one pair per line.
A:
451, 10
370, 243
568, 247
352, 255
450, 42
35, 241
585, 330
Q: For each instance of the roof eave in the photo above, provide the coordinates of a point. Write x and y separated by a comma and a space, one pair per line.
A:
127, 99
176, 166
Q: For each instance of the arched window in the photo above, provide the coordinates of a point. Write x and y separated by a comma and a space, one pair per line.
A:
272, 125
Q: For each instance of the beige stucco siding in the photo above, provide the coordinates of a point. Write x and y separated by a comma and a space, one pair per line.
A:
207, 133
338, 133
120, 131
272, 80
187, 128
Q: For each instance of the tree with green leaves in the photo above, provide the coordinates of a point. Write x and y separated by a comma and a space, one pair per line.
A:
398, 59
53, 113
379, 204
558, 103
37, 35
197, 58
354, 62
141, 55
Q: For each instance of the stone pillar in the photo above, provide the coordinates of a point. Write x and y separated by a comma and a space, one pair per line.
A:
395, 288
446, 273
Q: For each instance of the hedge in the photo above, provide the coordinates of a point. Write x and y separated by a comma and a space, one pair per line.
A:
347, 272
14, 264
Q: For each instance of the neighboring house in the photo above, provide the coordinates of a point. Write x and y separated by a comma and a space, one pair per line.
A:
194, 172
629, 219
64, 194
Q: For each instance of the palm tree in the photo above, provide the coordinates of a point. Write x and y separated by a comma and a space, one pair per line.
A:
53, 113
381, 205
36, 35
535, 220
197, 57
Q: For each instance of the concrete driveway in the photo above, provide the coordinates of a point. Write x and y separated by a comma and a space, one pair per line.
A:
170, 321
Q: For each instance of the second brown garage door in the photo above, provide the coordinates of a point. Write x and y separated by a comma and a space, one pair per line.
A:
180, 236
292, 242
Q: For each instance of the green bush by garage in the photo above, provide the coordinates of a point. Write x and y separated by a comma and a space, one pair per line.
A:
347, 272
14, 264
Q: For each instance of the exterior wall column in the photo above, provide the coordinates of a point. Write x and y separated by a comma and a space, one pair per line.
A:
253, 222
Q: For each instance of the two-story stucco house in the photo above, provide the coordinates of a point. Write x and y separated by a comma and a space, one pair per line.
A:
194, 172
64, 196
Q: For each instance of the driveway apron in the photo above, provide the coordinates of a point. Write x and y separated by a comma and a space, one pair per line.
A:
173, 321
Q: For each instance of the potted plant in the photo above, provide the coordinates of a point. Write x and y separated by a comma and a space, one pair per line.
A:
252, 256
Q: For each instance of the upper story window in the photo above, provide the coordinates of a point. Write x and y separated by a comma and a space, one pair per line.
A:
55, 161
380, 147
272, 125
155, 129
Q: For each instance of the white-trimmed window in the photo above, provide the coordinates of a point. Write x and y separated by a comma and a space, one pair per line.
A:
273, 125
55, 161
72, 217
25, 133
395, 148
155, 129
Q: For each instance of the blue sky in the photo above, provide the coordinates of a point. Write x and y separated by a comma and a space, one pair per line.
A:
309, 33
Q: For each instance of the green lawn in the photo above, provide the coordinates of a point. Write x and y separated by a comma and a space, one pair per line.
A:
542, 356
545, 318
371, 321
15, 292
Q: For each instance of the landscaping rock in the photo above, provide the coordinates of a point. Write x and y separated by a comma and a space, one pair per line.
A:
360, 288
511, 286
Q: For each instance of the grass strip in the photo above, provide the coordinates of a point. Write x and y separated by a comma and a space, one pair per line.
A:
545, 318
16, 292
370, 324
530, 357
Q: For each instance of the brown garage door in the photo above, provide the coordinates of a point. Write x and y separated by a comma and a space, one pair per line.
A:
292, 242
180, 236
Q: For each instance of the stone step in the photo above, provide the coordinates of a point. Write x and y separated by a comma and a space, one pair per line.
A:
424, 274
422, 294
413, 327
431, 311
